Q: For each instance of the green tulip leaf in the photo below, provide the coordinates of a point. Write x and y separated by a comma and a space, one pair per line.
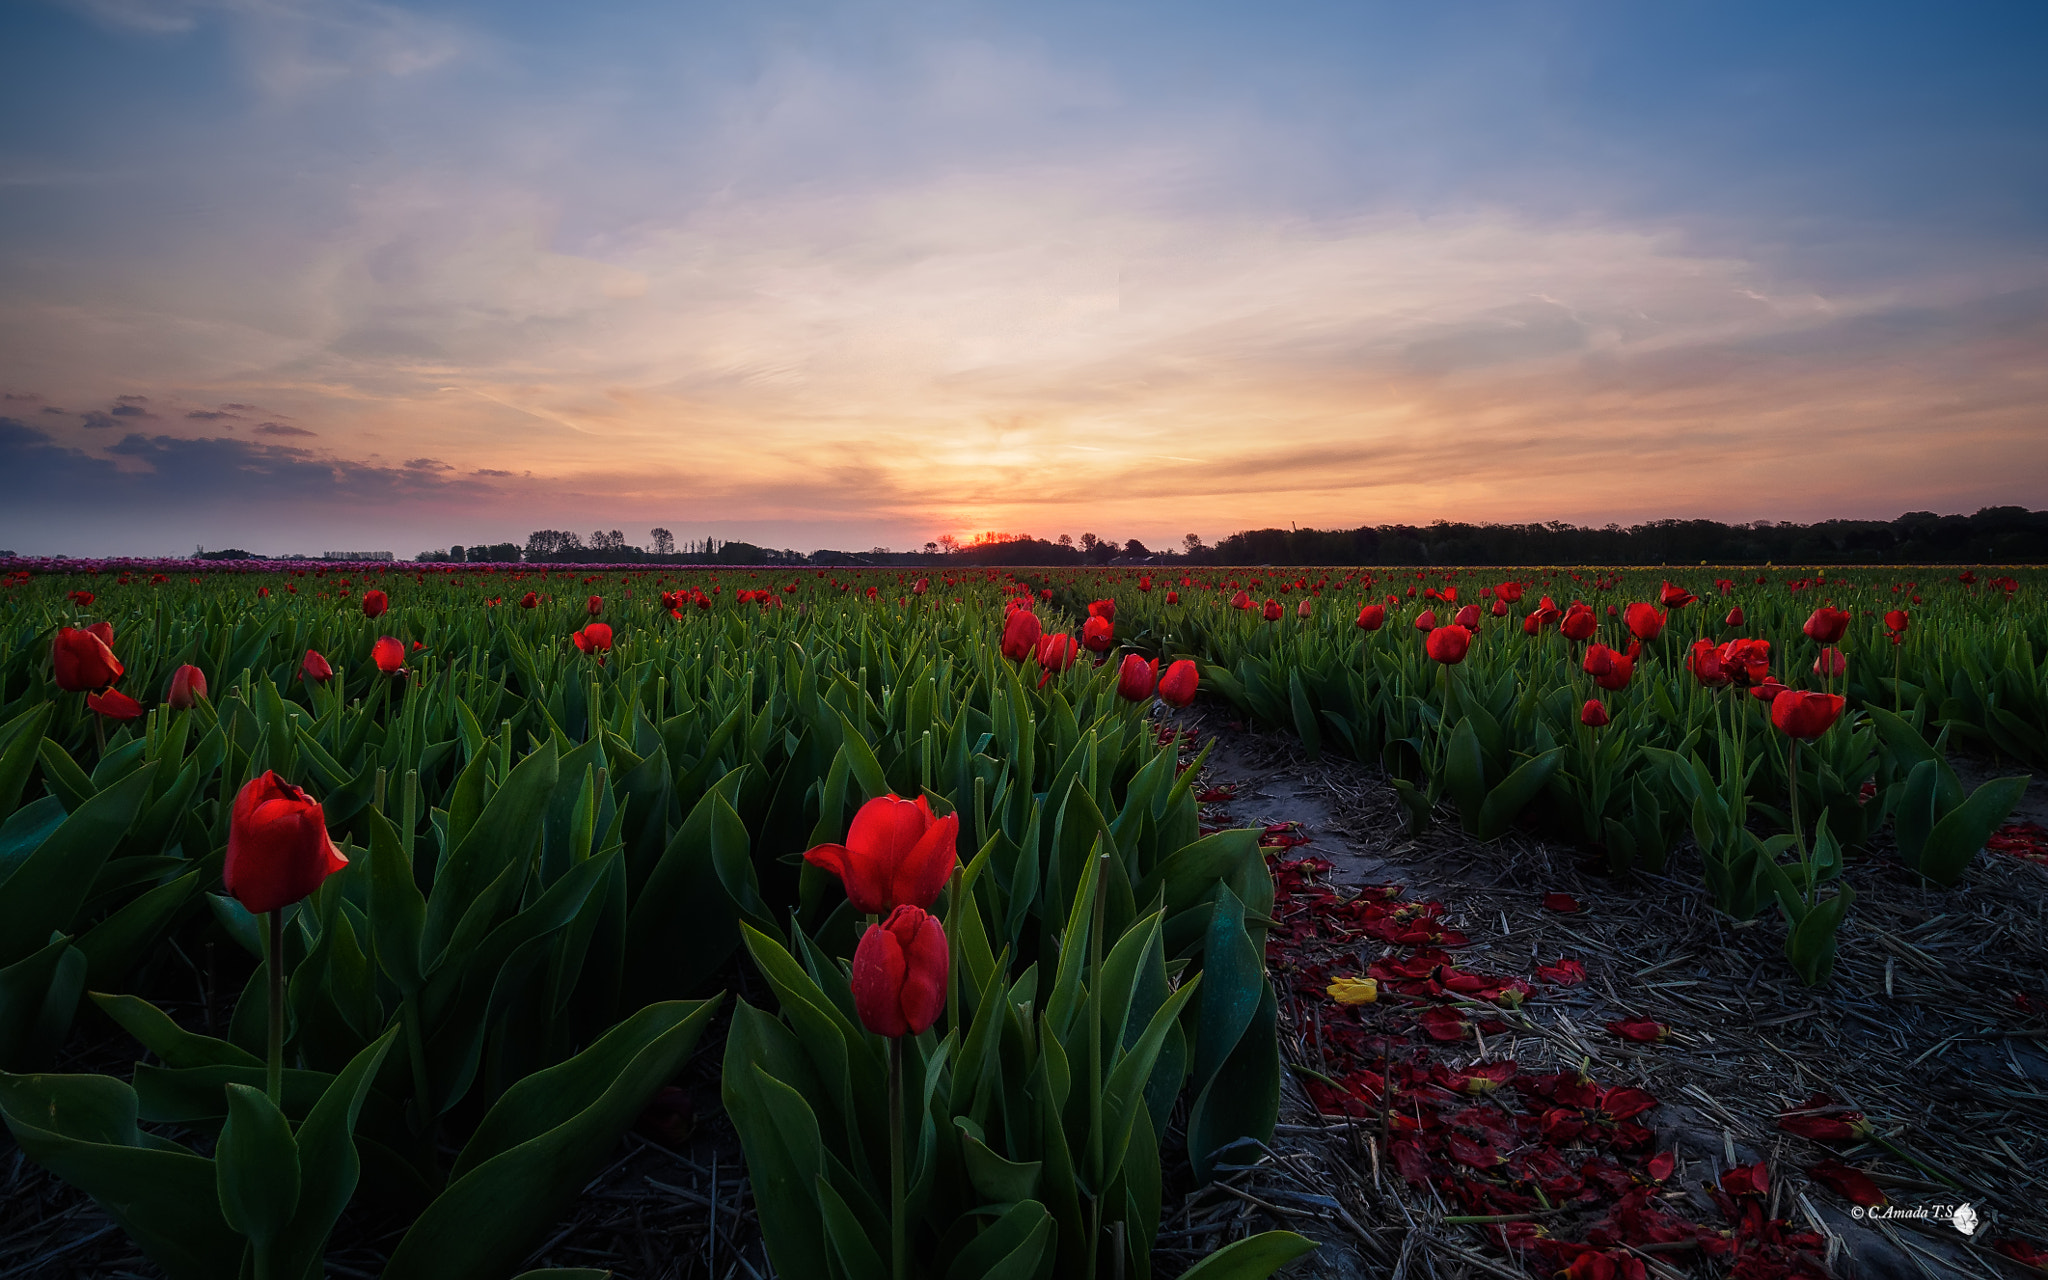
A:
1253, 1258
82, 1128
166, 1039
50, 884
256, 1165
534, 1150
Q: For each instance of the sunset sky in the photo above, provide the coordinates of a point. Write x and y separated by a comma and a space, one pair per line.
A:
295, 275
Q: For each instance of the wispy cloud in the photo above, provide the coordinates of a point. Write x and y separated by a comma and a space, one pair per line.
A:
897, 277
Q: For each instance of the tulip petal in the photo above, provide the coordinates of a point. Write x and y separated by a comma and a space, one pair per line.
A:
925, 869
878, 967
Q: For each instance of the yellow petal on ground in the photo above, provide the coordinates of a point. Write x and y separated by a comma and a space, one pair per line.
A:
1355, 990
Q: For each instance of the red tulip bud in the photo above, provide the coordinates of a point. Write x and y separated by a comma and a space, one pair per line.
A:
1177, 686
83, 661
188, 686
1826, 625
1593, 714
375, 603
1645, 621
1371, 617
1449, 645
388, 654
1021, 631
278, 847
899, 973
1135, 678
315, 668
1799, 713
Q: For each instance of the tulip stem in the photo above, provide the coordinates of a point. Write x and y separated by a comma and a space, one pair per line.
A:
274, 1076
1095, 1122
899, 1252
953, 950
1896, 697
1807, 888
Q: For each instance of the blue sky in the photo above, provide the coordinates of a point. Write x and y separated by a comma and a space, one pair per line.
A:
853, 274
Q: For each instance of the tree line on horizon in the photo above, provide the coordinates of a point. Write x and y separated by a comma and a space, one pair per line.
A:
1992, 535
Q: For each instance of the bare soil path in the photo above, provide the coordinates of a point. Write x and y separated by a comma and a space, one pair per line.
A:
1935, 1027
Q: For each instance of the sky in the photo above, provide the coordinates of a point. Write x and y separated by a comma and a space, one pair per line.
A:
306, 275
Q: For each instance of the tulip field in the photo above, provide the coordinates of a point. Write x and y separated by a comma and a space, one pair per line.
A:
490, 852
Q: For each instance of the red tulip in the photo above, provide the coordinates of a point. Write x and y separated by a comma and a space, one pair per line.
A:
188, 686
595, 638
1704, 661
1020, 634
1103, 609
1579, 622
1675, 597
83, 599
899, 973
1510, 592
1593, 714
82, 661
897, 852
1645, 621
1173, 597
1895, 621
921, 586
278, 847
1468, 617
1734, 618
1304, 609
531, 600
1058, 651
1768, 690
1177, 686
1242, 600
1500, 608
1098, 634
388, 654
1801, 713
1448, 645
595, 606
114, 705
1426, 620
1826, 625
375, 603
1371, 617
1272, 610
1831, 662
1749, 660
315, 668
1609, 669
1136, 678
